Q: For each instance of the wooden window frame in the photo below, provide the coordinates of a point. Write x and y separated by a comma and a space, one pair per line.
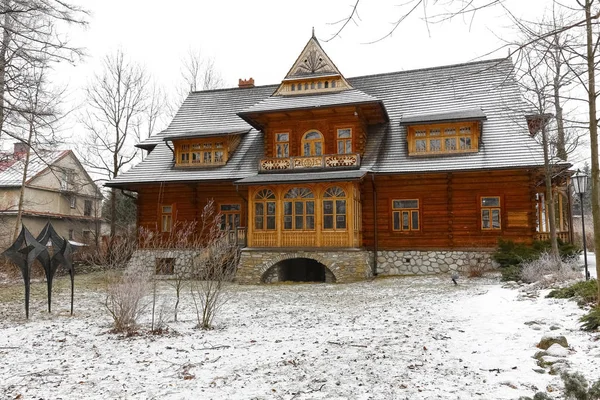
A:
166, 216
441, 135
225, 214
410, 211
312, 142
164, 266
295, 215
277, 143
334, 214
490, 209
192, 153
344, 141
265, 216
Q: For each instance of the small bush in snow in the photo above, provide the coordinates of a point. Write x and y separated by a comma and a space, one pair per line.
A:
585, 291
591, 321
538, 396
547, 270
125, 297
576, 387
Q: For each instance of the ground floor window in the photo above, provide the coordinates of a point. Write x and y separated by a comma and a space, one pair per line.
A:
230, 216
264, 210
166, 218
405, 215
334, 208
491, 213
299, 209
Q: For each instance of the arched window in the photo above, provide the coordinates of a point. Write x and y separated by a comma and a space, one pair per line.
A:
334, 209
264, 210
326, 84
299, 209
312, 144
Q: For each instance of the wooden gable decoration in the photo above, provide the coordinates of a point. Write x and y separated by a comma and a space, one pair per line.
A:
315, 71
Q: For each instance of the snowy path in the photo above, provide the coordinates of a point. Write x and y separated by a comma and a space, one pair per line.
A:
397, 338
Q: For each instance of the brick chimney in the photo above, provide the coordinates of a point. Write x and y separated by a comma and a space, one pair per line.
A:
246, 83
19, 147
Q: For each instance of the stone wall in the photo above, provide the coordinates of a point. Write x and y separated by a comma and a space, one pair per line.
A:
344, 265
412, 262
146, 258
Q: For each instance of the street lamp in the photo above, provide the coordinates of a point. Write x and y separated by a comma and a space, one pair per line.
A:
579, 181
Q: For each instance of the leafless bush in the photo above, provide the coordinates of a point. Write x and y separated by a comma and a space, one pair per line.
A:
476, 271
125, 296
212, 268
546, 270
589, 233
183, 236
111, 253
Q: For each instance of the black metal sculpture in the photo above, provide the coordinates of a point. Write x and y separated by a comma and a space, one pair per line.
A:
61, 255
26, 249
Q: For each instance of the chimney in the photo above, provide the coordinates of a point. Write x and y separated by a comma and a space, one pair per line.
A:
246, 83
20, 147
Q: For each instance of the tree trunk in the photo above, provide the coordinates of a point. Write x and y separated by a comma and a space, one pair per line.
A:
3, 51
23, 182
593, 135
561, 150
549, 193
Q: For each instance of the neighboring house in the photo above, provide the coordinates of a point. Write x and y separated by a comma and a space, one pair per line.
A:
57, 189
337, 179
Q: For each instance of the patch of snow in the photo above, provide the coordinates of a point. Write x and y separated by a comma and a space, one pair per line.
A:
395, 338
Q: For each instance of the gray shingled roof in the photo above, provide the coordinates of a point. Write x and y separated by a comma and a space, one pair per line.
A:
462, 115
299, 102
11, 167
452, 90
304, 177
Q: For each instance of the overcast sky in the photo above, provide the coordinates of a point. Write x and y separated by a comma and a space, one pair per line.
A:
261, 39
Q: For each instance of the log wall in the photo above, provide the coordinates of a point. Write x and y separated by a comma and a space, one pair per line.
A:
450, 214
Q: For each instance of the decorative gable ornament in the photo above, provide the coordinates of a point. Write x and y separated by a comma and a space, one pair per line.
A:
314, 71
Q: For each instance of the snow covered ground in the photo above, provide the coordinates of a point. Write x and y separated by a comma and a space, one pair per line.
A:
395, 338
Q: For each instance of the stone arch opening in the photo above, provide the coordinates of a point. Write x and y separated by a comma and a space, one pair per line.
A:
298, 270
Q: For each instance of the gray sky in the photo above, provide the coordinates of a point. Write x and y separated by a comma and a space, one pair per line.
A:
261, 39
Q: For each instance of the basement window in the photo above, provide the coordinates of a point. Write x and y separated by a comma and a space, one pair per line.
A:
165, 266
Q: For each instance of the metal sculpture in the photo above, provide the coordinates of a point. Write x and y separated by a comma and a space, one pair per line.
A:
26, 249
61, 255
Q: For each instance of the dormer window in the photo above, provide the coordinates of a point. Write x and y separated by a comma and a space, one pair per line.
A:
455, 137
201, 152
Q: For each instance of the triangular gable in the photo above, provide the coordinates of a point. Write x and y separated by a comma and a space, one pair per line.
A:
312, 64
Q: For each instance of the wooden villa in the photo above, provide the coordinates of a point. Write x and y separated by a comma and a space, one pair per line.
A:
329, 178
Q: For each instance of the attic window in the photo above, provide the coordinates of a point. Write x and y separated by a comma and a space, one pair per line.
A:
445, 138
203, 152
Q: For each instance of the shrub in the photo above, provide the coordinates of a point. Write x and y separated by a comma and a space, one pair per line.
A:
510, 253
586, 291
546, 270
125, 294
591, 322
511, 273
513, 256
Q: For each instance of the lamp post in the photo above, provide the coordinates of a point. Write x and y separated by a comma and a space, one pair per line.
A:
579, 181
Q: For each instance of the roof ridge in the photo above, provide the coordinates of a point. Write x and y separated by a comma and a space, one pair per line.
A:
275, 85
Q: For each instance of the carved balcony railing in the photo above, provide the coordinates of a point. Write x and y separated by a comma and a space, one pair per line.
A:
330, 161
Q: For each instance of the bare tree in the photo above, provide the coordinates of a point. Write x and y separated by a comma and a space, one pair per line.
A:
117, 97
30, 34
197, 73
212, 268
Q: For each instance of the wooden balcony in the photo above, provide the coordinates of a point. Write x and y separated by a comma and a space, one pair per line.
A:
326, 162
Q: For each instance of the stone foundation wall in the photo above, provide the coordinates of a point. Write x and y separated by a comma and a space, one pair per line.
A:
413, 262
147, 258
345, 265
